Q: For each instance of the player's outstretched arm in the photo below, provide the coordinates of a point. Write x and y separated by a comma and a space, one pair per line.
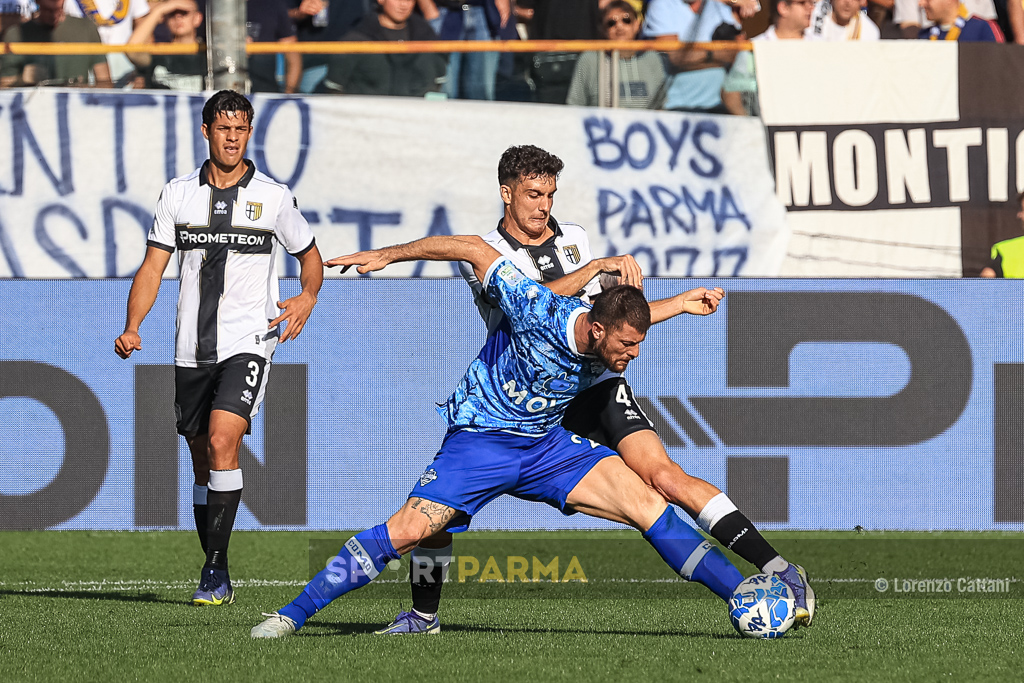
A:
469, 248
625, 267
141, 297
295, 311
700, 301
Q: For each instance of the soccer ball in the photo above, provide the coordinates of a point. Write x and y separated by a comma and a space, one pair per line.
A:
762, 606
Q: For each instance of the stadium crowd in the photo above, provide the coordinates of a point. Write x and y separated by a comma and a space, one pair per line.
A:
718, 81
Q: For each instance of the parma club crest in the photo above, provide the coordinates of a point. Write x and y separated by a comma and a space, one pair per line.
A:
253, 210
572, 253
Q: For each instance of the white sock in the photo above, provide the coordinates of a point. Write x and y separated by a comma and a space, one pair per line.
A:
716, 508
777, 564
225, 480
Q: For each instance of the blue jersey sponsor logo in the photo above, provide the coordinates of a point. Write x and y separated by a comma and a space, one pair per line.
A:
528, 370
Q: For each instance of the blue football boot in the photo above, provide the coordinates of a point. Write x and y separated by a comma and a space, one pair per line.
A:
410, 623
214, 588
795, 577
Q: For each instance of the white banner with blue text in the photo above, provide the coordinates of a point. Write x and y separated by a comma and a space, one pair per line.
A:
80, 173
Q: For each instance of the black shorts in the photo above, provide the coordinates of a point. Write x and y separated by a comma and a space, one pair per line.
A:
606, 413
236, 385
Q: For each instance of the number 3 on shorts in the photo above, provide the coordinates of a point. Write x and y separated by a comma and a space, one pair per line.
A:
254, 368
621, 396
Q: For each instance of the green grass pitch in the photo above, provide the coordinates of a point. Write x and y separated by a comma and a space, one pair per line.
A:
109, 606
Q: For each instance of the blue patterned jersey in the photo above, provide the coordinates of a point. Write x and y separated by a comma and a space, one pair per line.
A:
529, 369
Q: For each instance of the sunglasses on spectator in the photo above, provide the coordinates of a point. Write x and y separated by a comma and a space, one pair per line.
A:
625, 20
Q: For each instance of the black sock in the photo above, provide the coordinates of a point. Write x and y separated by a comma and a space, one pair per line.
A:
427, 570
738, 534
200, 513
220, 519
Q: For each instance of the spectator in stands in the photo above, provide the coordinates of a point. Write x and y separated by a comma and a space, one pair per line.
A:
52, 25
836, 20
1008, 255
471, 75
953, 21
408, 75
551, 72
697, 85
1015, 20
739, 89
181, 19
880, 13
115, 20
911, 15
322, 21
640, 73
563, 19
790, 21
267, 21
14, 12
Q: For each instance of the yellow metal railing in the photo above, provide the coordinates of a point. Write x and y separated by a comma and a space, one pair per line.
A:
379, 47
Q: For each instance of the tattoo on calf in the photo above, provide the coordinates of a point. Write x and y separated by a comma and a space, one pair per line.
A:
438, 514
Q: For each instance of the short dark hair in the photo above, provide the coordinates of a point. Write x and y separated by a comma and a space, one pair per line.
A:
620, 5
619, 305
224, 102
726, 32
527, 161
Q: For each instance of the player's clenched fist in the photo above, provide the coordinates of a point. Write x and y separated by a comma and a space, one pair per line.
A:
625, 267
127, 343
702, 301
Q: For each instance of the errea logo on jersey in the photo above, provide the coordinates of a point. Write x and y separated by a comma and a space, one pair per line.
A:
220, 208
545, 262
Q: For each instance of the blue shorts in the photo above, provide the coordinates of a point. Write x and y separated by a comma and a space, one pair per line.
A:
474, 468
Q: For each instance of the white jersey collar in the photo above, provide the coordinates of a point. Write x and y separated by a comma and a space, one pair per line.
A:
570, 330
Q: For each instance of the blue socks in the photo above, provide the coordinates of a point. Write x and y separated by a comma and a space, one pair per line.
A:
366, 554
692, 557
358, 563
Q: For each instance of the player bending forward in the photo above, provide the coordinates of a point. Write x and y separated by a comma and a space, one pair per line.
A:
559, 255
226, 220
555, 348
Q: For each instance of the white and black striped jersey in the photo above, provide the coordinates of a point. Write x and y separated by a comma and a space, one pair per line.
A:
566, 251
227, 242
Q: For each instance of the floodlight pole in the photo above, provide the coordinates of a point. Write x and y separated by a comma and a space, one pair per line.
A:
228, 66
